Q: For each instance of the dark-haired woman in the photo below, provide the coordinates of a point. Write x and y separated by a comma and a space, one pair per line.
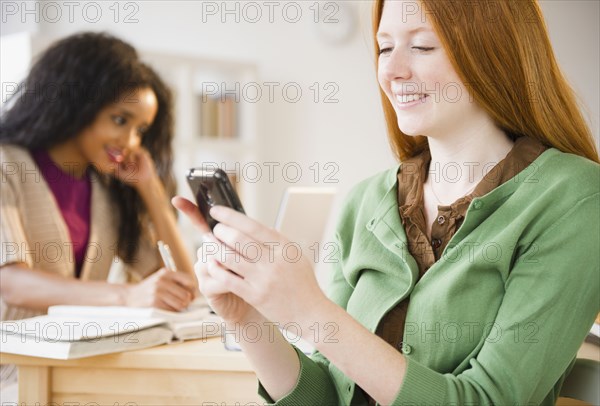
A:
85, 152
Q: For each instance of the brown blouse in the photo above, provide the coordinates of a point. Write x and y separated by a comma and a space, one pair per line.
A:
449, 218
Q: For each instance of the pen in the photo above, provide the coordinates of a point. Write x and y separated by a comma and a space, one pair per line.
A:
165, 253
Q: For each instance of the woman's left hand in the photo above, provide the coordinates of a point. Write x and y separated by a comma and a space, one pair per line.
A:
268, 271
137, 169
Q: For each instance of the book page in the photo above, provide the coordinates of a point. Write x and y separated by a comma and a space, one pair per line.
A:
74, 328
198, 310
32, 345
211, 326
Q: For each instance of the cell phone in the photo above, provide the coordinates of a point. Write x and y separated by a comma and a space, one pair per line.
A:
212, 187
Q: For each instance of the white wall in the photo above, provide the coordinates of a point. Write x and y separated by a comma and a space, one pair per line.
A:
349, 133
15, 58
574, 27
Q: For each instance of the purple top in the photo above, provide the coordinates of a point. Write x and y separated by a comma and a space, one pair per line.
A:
73, 197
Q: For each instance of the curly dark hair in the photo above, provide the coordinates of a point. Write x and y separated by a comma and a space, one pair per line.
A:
67, 87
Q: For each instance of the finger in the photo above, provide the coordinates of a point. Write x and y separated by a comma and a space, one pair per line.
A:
221, 253
230, 281
235, 263
212, 288
211, 250
234, 238
245, 224
240, 252
210, 247
161, 304
173, 302
192, 212
142, 152
183, 279
208, 286
200, 270
176, 291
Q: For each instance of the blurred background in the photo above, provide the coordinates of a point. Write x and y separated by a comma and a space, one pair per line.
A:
278, 93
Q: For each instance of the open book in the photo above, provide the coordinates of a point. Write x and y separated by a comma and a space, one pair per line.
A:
69, 332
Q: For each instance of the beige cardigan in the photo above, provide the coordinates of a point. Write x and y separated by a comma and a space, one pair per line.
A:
32, 229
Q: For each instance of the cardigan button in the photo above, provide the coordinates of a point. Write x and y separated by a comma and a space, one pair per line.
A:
477, 204
406, 348
371, 224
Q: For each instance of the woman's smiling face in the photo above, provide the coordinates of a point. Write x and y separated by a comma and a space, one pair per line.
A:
416, 75
117, 130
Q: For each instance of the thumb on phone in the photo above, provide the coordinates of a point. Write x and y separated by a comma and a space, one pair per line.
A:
192, 212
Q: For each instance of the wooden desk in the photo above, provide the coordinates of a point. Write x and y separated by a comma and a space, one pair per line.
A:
189, 373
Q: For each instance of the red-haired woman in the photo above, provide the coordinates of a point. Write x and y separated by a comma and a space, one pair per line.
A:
470, 274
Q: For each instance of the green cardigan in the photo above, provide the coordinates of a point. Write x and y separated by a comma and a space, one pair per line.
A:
498, 319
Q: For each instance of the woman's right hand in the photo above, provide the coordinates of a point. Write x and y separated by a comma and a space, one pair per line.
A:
163, 289
229, 306
232, 308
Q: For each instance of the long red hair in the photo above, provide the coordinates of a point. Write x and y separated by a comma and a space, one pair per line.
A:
502, 53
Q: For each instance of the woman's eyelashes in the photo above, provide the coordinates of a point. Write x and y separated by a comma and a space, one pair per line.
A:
119, 120
422, 49
385, 50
